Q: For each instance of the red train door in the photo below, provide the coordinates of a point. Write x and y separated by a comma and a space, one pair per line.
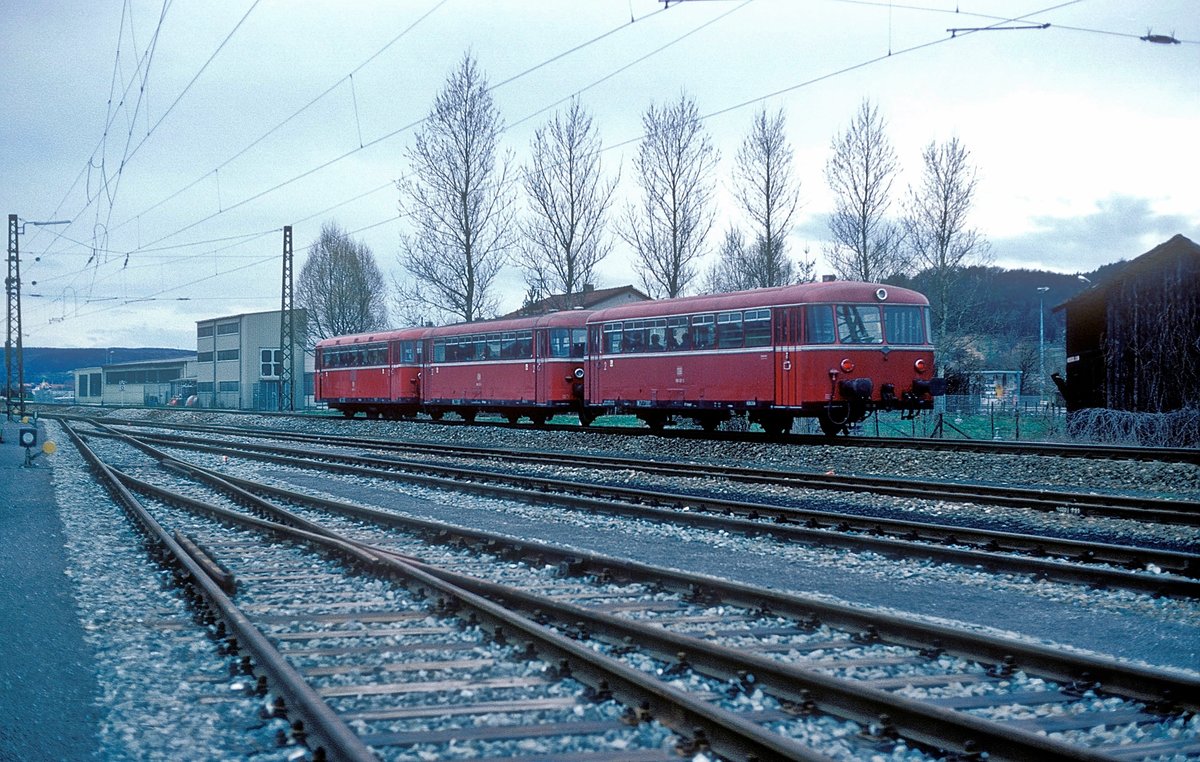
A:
788, 360
541, 350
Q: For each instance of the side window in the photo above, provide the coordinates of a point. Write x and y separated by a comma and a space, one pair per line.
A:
703, 333
634, 338
859, 324
729, 329
818, 324
439, 350
758, 328
656, 335
612, 338
678, 336
578, 342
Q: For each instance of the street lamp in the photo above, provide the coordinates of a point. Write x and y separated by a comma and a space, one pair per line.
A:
12, 287
1042, 340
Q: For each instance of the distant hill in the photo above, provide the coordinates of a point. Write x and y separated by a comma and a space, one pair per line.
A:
55, 365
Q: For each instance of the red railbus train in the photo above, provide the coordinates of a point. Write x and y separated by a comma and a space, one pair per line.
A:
836, 351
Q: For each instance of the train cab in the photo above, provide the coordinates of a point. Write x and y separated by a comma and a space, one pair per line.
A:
835, 351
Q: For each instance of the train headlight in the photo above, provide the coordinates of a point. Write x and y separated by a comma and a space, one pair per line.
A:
920, 365
579, 373
847, 365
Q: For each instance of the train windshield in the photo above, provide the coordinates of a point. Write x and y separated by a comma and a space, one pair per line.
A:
904, 323
859, 324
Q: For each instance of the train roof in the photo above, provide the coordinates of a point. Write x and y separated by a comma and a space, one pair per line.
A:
393, 334
838, 291
563, 319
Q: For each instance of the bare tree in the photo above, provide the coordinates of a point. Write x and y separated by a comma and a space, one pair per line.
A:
729, 271
458, 199
941, 242
341, 286
866, 244
564, 235
668, 225
765, 186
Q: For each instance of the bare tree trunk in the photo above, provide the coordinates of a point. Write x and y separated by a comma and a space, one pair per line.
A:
458, 199
341, 287
940, 242
667, 227
564, 235
866, 244
769, 193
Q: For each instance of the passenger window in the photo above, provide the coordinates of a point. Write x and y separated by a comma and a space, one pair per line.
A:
729, 329
859, 324
677, 333
818, 324
758, 328
703, 335
612, 338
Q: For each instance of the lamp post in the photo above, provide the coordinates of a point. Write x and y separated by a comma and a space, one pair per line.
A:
13, 347
1042, 340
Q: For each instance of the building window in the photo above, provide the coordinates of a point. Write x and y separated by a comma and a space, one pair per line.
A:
225, 329
227, 386
271, 363
96, 381
228, 354
204, 331
204, 357
83, 386
204, 387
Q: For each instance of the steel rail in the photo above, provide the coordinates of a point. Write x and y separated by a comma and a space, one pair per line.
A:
923, 723
1082, 503
1091, 451
645, 504
1146, 684
727, 732
324, 731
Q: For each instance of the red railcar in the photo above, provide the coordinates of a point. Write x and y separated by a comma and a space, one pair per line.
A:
835, 350
518, 367
377, 374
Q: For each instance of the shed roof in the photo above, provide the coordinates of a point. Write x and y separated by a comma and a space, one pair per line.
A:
1178, 245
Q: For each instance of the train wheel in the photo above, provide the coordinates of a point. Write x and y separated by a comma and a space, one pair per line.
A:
776, 426
513, 417
436, 414
586, 417
829, 426
710, 422
467, 415
655, 422
539, 419
348, 413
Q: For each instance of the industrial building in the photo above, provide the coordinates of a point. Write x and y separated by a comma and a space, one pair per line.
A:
237, 366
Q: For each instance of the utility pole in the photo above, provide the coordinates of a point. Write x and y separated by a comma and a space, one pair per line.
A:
12, 348
1042, 340
287, 330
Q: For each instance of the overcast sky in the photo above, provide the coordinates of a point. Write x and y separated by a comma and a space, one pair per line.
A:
255, 115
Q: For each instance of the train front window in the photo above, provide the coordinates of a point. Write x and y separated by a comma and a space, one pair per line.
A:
904, 324
859, 324
818, 324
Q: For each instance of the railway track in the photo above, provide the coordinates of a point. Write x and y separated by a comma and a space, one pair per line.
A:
1157, 571
1049, 449
743, 672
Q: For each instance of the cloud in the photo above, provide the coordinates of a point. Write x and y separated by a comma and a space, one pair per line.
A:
1121, 227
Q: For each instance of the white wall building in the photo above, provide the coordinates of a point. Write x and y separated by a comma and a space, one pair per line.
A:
238, 362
